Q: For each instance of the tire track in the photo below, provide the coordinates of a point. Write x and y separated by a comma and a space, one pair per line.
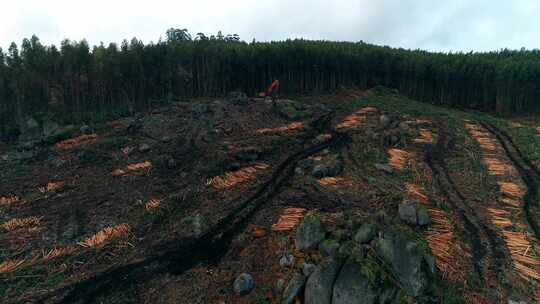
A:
528, 172
452, 258
488, 256
510, 214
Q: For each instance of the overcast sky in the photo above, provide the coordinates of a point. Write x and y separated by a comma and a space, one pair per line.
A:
442, 25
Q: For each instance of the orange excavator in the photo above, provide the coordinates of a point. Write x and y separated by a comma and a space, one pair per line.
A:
271, 91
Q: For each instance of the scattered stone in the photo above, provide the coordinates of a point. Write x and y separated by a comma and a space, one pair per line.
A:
320, 283
62, 133
385, 121
382, 217
366, 233
239, 98
330, 168
351, 286
319, 171
195, 223
85, 129
390, 296
286, 260
50, 128
308, 269
293, 288
23, 155
358, 252
30, 123
171, 163
290, 109
329, 247
127, 150
243, 284
374, 135
199, 110
409, 262
134, 126
321, 138
350, 223
346, 249
385, 168
57, 162
352, 249
309, 233
306, 163
166, 139
407, 212
334, 167
341, 234
403, 126
516, 302
144, 147
28, 145
413, 213
422, 216
30, 130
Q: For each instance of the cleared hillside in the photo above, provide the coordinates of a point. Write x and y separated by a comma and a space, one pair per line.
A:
364, 194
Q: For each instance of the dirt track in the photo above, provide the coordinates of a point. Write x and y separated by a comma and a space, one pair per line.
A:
529, 173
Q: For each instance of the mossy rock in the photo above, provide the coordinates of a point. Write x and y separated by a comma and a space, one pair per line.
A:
310, 232
365, 280
410, 262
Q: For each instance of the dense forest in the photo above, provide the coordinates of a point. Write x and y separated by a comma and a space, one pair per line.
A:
78, 83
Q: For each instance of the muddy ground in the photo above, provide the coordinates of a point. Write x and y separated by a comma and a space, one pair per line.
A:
170, 206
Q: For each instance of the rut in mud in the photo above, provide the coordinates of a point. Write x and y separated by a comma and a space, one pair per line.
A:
486, 247
529, 174
179, 255
508, 214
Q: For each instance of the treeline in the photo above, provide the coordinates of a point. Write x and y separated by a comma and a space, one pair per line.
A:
78, 82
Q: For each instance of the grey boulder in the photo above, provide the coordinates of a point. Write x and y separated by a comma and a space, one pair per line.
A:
293, 288
239, 98
320, 284
365, 233
309, 233
243, 284
308, 269
329, 247
411, 265
413, 213
286, 260
353, 287
384, 168
385, 120
144, 147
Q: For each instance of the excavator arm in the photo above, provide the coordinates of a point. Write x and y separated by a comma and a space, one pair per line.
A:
271, 88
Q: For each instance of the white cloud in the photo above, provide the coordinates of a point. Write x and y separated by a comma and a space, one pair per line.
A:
435, 25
